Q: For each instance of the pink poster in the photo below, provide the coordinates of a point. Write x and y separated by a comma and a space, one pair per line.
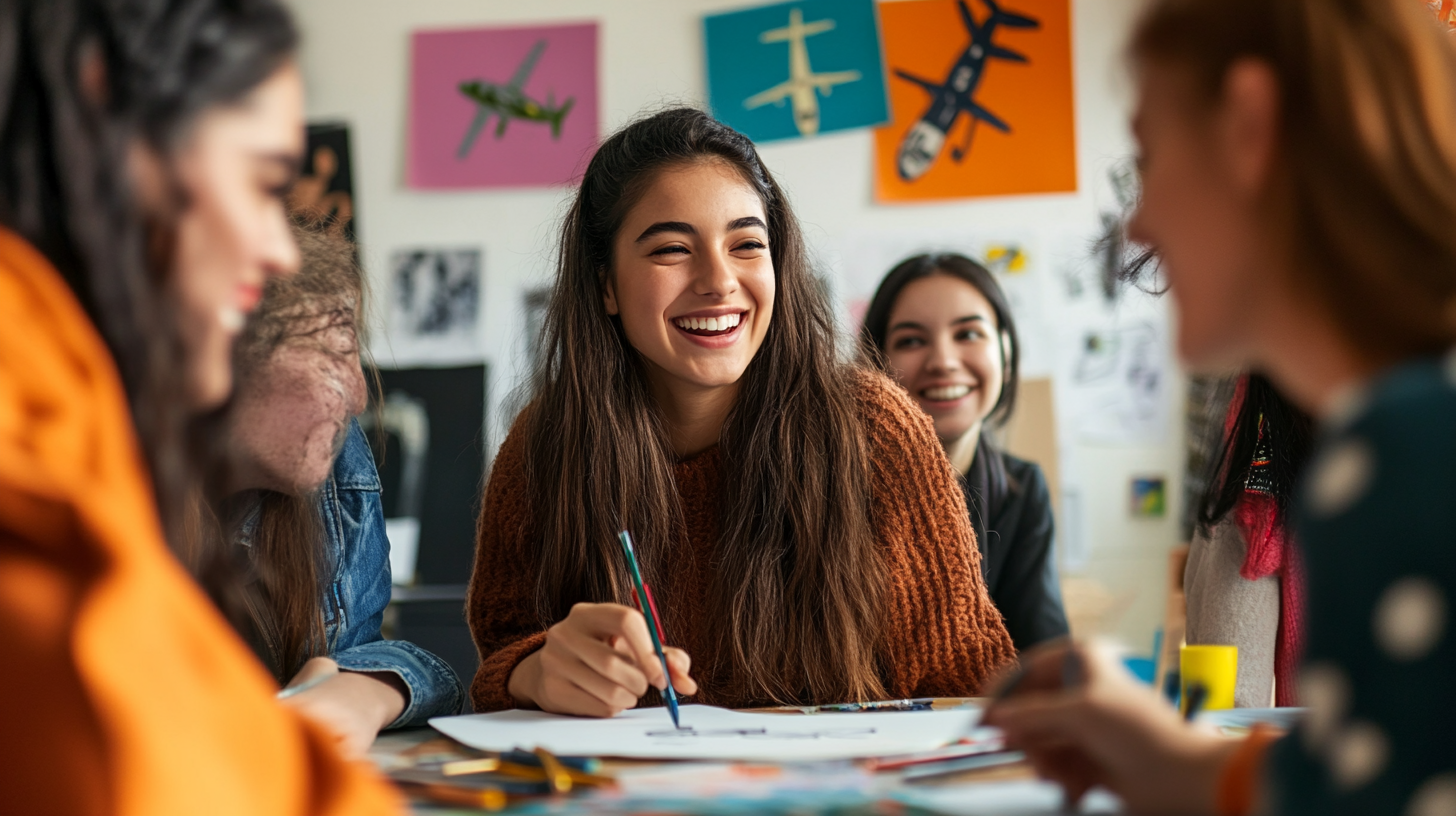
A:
502, 107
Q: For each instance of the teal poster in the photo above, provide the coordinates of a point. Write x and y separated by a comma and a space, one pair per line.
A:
796, 69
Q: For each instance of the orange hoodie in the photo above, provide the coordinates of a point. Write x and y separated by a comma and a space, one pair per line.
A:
124, 691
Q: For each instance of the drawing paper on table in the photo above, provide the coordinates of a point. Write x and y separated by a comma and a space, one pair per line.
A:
713, 733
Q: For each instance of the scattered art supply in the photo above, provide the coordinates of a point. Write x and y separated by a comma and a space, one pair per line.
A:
713, 733
918, 704
936, 770
502, 107
979, 741
796, 69
981, 99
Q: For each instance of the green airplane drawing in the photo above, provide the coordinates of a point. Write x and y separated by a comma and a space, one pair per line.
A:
508, 102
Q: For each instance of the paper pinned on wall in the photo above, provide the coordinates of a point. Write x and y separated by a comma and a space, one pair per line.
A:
1016, 261
714, 733
796, 69
502, 107
1114, 381
433, 307
981, 100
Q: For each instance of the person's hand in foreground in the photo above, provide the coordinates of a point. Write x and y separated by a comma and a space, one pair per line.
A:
353, 705
1084, 721
597, 663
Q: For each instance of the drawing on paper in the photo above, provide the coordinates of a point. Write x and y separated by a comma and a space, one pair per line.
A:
803, 85
714, 733
956, 94
507, 102
1117, 383
435, 293
796, 69
764, 733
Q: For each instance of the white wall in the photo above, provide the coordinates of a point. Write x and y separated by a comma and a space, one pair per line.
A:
355, 63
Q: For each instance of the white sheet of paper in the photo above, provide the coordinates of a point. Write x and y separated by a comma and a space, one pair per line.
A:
713, 733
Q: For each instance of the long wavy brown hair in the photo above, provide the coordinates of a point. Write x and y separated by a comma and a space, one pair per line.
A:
289, 564
1367, 148
796, 580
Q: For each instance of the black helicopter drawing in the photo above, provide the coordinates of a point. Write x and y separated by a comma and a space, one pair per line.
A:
956, 95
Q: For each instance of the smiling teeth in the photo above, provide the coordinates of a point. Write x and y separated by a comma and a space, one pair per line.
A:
709, 323
948, 392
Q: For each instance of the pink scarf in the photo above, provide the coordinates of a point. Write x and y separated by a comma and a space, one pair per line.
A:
1271, 551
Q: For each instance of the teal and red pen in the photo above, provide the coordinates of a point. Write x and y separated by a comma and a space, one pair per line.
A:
643, 596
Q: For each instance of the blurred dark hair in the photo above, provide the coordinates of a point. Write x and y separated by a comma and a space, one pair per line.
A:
82, 84
1289, 439
797, 583
874, 333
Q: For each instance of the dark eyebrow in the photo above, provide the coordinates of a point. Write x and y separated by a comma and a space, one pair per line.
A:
908, 324
744, 223
667, 226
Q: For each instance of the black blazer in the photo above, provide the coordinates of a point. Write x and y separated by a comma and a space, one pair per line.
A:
1017, 559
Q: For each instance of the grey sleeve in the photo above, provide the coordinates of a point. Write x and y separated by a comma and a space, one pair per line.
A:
1225, 609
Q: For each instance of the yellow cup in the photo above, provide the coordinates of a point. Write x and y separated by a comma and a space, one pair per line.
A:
1216, 668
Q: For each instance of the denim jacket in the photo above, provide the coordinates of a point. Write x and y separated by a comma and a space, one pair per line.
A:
353, 514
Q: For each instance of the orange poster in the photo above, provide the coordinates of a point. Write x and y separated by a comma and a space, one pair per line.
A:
981, 100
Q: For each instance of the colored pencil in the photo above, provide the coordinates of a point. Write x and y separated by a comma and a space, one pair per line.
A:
643, 596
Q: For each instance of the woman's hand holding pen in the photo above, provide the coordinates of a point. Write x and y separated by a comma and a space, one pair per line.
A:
597, 663
1097, 725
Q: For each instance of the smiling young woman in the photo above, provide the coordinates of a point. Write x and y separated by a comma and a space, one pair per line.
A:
793, 512
941, 326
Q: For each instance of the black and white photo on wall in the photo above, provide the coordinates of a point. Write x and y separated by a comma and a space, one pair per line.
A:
433, 307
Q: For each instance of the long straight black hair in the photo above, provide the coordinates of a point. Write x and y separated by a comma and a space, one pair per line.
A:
1288, 435
83, 83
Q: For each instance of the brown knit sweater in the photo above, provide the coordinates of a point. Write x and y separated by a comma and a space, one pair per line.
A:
943, 637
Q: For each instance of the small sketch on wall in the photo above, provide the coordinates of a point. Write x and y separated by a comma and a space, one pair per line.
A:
434, 304
1117, 380
1149, 496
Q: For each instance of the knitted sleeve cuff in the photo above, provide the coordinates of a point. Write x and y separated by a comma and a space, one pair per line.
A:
490, 691
1238, 782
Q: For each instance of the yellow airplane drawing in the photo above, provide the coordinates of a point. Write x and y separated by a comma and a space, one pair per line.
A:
802, 82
